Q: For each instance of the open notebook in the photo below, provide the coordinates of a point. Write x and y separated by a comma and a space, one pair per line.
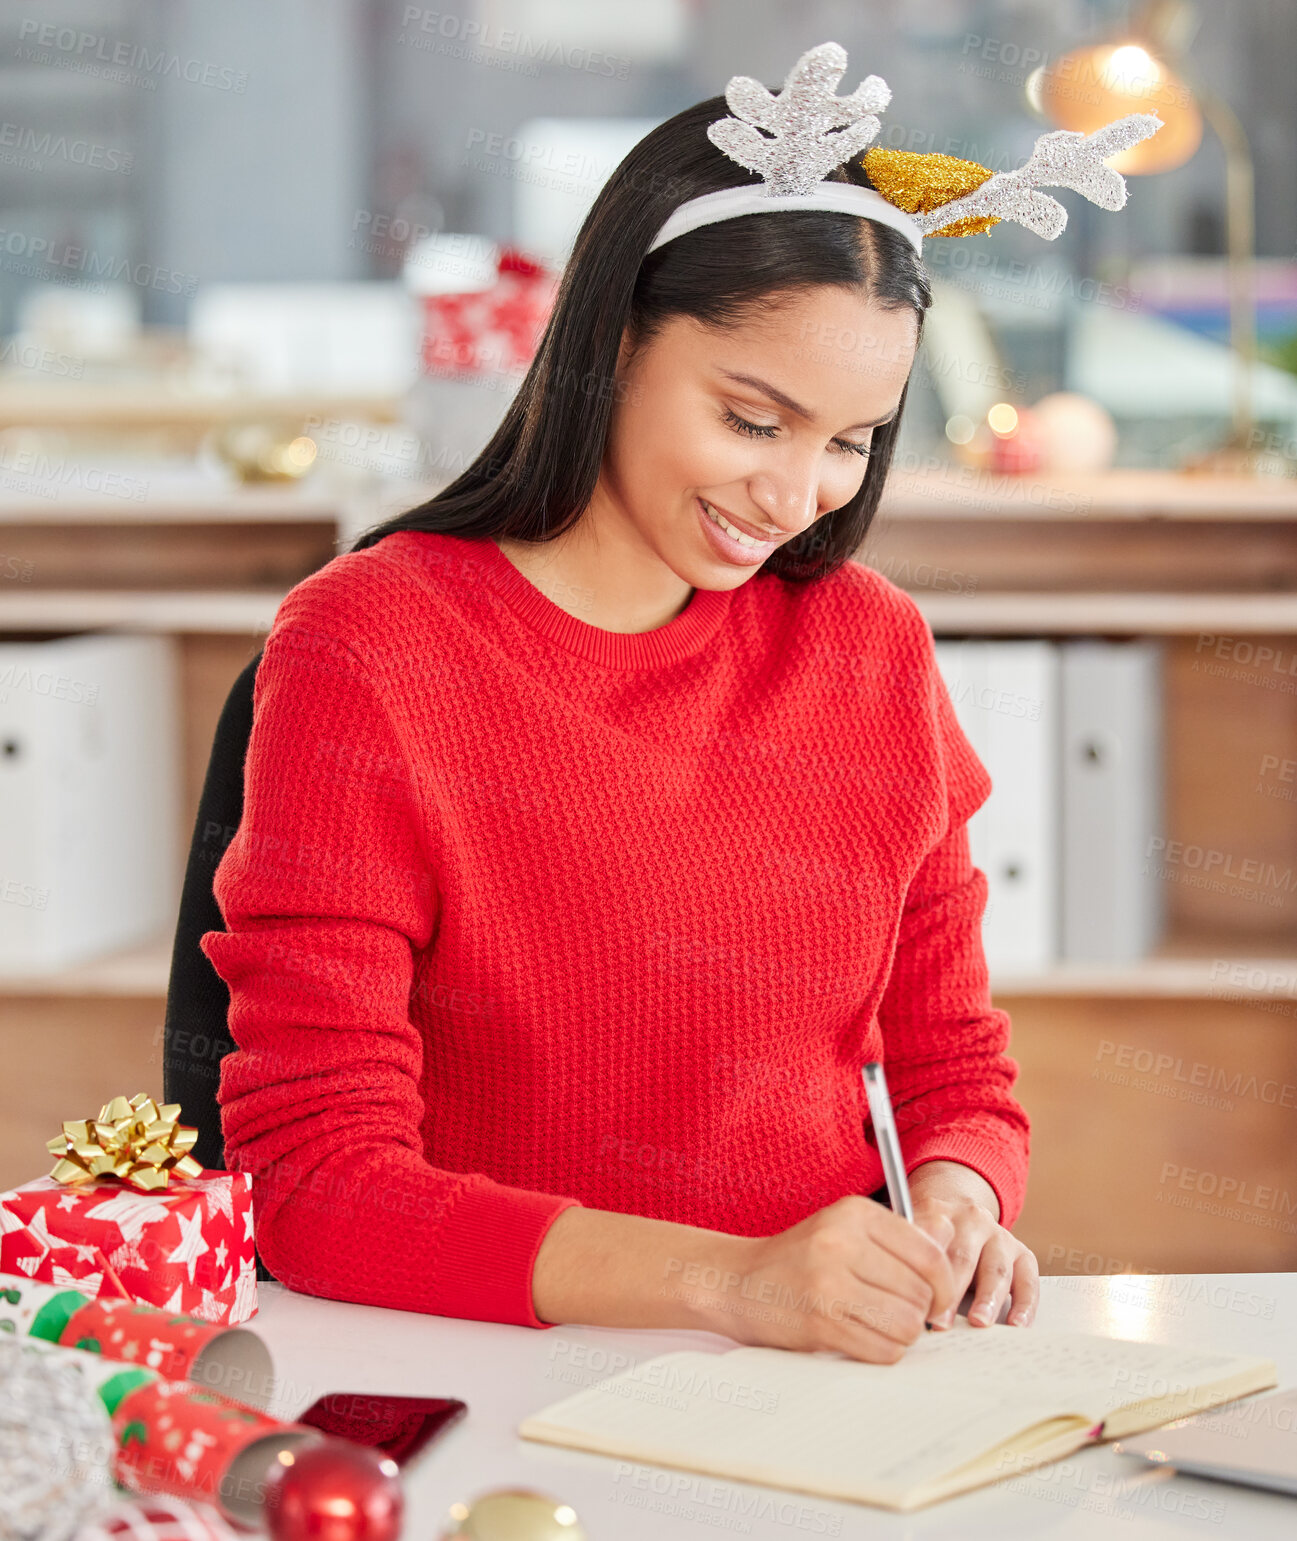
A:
965, 1407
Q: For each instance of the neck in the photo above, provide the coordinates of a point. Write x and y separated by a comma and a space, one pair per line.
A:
601, 572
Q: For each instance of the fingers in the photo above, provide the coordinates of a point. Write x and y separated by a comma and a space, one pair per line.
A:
894, 1280
994, 1276
965, 1252
878, 1325
857, 1339
893, 1274
1007, 1269
923, 1255
1026, 1289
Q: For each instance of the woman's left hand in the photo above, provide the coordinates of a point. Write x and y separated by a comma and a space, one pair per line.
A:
981, 1250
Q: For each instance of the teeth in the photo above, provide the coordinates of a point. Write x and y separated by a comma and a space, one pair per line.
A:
743, 538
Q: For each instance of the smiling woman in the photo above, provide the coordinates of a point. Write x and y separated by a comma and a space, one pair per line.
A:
683, 815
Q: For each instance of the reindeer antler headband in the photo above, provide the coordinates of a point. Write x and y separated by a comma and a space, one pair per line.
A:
809, 131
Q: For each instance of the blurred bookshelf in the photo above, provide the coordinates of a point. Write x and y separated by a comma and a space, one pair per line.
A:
210, 565
1015, 547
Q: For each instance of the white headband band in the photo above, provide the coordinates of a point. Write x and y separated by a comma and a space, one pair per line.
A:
836, 197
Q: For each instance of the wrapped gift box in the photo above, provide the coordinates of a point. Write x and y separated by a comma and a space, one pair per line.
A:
187, 1247
484, 306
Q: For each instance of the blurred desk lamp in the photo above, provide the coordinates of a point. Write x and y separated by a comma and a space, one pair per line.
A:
1130, 73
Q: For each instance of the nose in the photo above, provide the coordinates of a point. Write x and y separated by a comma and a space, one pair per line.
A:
790, 501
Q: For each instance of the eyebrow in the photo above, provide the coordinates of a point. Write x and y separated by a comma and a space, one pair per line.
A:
785, 400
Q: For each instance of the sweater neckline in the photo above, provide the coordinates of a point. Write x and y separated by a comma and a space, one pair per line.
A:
681, 637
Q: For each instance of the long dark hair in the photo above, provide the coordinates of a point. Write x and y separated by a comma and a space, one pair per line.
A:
536, 476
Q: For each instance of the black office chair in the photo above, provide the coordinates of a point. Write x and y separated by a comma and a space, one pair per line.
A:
196, 1035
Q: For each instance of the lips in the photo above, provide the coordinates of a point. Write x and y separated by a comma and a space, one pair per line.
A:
765, 538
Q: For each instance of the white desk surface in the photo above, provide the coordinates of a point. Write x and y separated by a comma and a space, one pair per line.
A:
503, 1373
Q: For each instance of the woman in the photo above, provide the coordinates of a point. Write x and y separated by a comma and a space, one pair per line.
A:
603, 818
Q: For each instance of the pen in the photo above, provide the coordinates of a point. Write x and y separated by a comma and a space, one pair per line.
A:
889, 1144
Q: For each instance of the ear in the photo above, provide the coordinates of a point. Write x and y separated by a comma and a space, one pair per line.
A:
625, 351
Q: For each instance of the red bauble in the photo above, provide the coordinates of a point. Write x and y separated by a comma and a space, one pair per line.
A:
335, 1491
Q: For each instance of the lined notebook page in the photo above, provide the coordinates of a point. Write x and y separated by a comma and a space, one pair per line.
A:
823, 1423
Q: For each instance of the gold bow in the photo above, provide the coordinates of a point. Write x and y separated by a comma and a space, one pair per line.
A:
137, 1142
919, 183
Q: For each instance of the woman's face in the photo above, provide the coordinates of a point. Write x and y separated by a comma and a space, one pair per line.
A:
768, 424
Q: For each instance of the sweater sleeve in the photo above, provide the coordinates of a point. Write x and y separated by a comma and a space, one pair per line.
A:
325, 890
949, 1076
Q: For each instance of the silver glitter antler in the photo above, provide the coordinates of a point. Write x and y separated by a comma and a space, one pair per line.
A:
1060, 159
801, 118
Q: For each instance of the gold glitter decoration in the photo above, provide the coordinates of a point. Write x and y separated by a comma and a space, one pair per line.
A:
918, 183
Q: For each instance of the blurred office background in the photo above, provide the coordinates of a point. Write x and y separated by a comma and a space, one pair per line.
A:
271, 271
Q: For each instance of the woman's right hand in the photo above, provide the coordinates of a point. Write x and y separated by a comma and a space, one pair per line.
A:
853, 1277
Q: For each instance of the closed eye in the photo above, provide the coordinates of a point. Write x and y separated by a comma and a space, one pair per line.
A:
766, 431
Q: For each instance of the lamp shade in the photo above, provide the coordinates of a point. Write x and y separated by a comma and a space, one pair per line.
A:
1086, 89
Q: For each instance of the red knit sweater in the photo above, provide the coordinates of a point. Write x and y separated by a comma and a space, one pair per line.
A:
522, 913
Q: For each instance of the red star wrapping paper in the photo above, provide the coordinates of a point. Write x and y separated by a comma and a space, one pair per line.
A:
185, 1248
